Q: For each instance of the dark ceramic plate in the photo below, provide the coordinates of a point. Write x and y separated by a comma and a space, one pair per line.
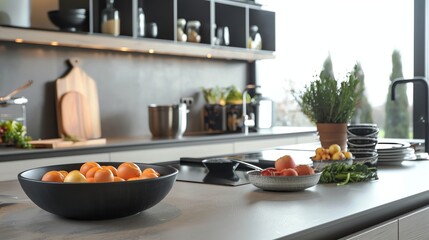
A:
91, 201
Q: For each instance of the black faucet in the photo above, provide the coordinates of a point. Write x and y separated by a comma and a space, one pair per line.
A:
424, 119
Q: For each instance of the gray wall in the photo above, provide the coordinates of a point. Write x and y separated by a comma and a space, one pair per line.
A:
127, 83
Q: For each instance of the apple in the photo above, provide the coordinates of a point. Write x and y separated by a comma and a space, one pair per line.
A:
289, 172
284, 162
75, 176
304, 169
268, 171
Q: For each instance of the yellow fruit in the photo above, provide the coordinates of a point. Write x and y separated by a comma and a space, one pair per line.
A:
348, 155
317, 157
75, 176
326, 157
338, 156
334, 148
319, 151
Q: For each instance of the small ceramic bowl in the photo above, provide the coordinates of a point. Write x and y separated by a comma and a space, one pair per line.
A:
363, 129
319, 165
282, 183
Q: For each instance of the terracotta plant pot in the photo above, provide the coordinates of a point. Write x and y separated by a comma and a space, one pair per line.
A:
332, 133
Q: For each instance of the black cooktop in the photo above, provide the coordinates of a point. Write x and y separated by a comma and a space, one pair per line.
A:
192, 169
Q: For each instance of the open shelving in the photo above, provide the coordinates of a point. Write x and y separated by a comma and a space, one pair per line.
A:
237, 16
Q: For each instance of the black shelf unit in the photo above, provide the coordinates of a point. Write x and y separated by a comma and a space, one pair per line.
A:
237, 16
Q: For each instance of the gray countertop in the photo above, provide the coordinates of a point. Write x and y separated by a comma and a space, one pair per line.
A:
147, 142
201, 211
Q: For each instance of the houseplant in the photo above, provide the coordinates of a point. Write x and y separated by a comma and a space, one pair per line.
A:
330, 104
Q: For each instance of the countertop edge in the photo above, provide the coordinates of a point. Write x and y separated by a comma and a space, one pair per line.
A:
146, 142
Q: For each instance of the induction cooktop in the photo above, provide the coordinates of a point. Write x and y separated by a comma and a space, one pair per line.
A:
192, 169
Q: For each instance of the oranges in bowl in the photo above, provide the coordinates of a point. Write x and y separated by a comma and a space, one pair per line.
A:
89, 200
90, 172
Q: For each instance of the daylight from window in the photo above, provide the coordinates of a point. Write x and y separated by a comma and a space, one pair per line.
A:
349, 31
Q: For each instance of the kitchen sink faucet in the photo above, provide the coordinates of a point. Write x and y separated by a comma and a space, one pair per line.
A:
424, 118
247, 121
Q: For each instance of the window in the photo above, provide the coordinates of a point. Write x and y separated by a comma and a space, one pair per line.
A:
349, 31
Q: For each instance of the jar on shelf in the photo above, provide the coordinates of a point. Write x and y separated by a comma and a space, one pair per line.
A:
110, 21
152, 30
181, 35
141, 22
14, 109
193, 31
255, 40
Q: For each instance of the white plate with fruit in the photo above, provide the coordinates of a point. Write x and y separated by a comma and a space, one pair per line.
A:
333, 154
285, 176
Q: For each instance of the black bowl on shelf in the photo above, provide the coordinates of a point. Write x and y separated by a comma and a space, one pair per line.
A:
68, 19
95, 201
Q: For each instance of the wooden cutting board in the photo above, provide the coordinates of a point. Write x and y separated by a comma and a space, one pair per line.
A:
75, 115
61, 143
78, 112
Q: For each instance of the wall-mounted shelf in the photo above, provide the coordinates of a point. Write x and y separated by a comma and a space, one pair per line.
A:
143, 45
236, 16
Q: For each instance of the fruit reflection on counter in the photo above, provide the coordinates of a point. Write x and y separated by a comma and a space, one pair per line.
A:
286, 166
93, 172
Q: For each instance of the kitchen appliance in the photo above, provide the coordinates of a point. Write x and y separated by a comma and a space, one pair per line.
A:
193, 169
167, 121
264, 112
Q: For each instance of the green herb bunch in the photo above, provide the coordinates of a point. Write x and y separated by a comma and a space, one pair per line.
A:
14, 133
342, 173
327, 100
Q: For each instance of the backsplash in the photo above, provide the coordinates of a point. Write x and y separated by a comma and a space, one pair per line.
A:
127, 83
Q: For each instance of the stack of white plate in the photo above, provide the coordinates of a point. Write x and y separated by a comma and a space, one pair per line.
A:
394, 152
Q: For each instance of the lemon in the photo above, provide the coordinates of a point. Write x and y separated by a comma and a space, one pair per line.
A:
334, 148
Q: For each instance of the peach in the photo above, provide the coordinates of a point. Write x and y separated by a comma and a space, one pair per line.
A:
284, 162
289, 172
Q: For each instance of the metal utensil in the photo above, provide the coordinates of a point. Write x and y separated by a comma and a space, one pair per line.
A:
10, 95
226, 164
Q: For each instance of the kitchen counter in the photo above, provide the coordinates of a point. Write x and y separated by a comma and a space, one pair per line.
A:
147, 142
201, 211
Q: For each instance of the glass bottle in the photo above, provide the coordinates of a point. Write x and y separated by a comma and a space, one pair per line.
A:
140, 23
193, 31
110, 21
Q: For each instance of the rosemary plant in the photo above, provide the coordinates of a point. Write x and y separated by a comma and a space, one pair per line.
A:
327, 100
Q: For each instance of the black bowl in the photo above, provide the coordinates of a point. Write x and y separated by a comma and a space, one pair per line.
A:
94, 201
68, 19
363, 130
362, 141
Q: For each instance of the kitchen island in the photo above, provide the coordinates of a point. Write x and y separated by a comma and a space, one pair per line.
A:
145, 149
202, 211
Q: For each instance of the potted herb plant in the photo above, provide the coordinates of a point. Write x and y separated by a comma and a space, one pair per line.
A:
330, 104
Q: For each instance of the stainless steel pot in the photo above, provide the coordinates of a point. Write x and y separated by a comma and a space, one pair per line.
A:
167, 121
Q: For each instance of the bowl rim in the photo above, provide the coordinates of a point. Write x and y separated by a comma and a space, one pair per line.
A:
20, 175
256, 172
